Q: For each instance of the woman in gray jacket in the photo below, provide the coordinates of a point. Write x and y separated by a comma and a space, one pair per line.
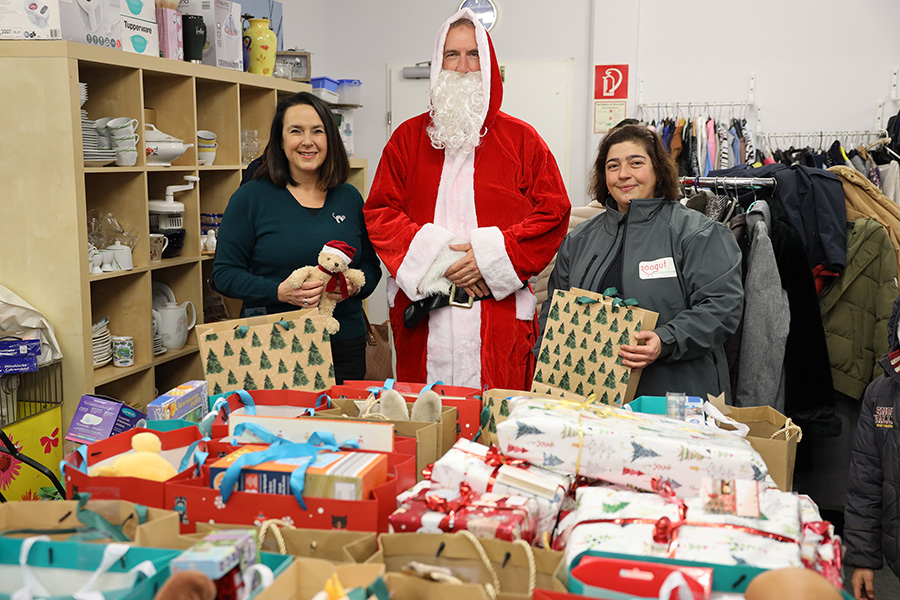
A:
671, 259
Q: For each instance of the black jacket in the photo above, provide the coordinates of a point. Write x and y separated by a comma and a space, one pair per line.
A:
872, 513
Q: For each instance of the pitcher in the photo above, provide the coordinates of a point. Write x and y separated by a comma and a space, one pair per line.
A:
173, 323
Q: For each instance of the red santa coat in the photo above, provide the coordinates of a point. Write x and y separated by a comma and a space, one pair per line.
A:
507, 199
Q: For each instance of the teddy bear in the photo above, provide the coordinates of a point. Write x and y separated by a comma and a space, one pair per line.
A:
334, 271
145, 462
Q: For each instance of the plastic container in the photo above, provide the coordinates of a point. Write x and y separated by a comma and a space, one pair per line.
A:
350, 91
325, 82
326, 95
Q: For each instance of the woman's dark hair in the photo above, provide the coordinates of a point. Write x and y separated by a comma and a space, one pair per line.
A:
275, 167
667, 185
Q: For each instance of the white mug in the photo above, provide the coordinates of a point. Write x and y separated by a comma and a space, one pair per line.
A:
158, 245
120, 123
206, 156
126, 157
129, 141
206, 136
123, 350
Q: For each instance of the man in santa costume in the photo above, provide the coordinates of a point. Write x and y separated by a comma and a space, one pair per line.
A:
467, 202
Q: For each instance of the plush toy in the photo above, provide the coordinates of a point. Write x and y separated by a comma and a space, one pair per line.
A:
334, 271
144, 463
392, 406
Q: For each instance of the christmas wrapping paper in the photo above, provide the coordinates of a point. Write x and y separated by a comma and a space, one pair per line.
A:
611, 519
819, 546
487, 470
628, 448
486, 515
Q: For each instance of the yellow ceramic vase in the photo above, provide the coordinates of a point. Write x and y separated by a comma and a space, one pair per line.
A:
263, 47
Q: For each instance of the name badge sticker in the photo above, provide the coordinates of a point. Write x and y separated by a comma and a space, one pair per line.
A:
661, 268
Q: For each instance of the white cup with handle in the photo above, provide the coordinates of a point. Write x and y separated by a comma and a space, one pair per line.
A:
122, 126
126, 141
126, 157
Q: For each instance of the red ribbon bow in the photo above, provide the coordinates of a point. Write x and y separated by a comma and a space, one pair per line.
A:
338, 279
449, 507
495, 459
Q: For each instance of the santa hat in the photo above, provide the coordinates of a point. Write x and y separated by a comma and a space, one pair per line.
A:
342, 249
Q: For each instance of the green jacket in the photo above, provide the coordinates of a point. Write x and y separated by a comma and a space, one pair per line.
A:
856, 308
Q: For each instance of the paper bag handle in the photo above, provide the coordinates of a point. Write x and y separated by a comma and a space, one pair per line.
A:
675, 581
716, 417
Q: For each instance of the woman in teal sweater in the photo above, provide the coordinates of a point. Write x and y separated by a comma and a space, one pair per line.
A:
298, 201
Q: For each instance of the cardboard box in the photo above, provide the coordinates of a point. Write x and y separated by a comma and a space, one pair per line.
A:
140, 37
223, 46
171, 38
19, 348
338, 475
212, 560
94, 22
18, 364
101, 418
189, 401
38, 20
143, 10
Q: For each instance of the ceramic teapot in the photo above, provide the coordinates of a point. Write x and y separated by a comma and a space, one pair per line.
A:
172, 323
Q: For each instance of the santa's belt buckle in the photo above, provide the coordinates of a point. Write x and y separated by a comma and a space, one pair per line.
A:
454, 302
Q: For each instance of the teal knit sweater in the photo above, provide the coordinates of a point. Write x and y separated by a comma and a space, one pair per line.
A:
265, 234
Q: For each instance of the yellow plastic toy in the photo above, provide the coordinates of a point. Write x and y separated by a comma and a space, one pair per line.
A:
145, 462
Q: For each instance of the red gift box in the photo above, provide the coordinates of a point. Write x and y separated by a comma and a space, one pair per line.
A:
468, 407
314, 400
192, 497
132, 489
485, 515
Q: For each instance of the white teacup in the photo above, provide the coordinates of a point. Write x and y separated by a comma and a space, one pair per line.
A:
158, 245
122, 126
128, 141
206, 156
104, 142
206, 136
126, 157
208, 145
108, 257
101, 125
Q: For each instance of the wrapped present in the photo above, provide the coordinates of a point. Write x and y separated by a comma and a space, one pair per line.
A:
659, 525
820, 547
624, 447
487, 470
486, 515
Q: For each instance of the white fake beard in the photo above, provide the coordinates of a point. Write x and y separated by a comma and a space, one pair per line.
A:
457, 104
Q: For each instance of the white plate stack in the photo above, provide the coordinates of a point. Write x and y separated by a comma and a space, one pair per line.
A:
90, 142
158, 347
82, 92
102, 342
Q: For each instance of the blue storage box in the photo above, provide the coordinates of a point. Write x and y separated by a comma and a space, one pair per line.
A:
325, 82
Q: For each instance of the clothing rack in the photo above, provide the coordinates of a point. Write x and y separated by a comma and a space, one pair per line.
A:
822, 136
728, 182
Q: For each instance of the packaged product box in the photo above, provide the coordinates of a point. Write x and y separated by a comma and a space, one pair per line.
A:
338, 475
94, 22
101, 418
171, 38
212, 560
27, 20
223, 46
18, 364
142, 10
139, 36
189, 401
244, 540
11, 348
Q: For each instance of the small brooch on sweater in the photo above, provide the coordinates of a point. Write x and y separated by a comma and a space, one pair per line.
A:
338, 218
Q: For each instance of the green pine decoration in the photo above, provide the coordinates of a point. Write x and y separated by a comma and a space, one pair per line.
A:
282, 368
610, 380
309, 326
571, 340
319, 383
289, 324
564, 382
583, 345
545, 355
592, 379
556, 366
240, 333
602, 368
551, 380
604, 399
326, 337
561, 329
607, 349
619, 361
580, 389
296, 346
217, 389
625, 337
548, 334
554, 312
587, 329
232, 380
249, 384
566, 308
211, 337
492, 425
637, 326
315, 357
331, 371
284, 386
629, 316
587, 310
267, 384
624, 379
575, 319
580, 367
568, 361
618, 400
593, 356
504, 408
598, 339
276, 342
254, 341
244, 358
228, 351
264, 362
614, 326
557, 351
212, 363
601, 316
538, 376
300, 378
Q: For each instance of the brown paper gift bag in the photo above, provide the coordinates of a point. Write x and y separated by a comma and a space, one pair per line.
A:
306, 577
507, 568
286, 351
580, 348
496, 408
771, 434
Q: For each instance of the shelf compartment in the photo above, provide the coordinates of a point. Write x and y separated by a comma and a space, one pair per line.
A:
257, 109
216, 188
173, 99
185, 281
218, 111
126, 301
212, 308
122, 195
135, 388
157, 181
177, 371
113, 91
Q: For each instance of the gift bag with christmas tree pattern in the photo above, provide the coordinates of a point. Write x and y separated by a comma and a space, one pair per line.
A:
286, 351
580, 348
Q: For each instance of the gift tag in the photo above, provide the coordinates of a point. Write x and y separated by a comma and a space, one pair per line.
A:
730, 496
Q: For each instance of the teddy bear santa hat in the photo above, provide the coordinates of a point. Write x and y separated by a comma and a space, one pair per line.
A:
342, 249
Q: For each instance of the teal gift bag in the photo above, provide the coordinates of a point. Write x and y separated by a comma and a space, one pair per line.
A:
36, 567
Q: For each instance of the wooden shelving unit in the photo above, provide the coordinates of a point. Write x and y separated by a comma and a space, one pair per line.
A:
47, 194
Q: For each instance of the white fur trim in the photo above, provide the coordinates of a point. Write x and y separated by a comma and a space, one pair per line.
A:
434, 281
392, 288
453, 353
336, 252
484, 54
425, 247
493, 262
526, 303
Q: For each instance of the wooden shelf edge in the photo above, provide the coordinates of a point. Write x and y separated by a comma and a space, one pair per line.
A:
109, 373
173, 262
173, 354
114, 274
